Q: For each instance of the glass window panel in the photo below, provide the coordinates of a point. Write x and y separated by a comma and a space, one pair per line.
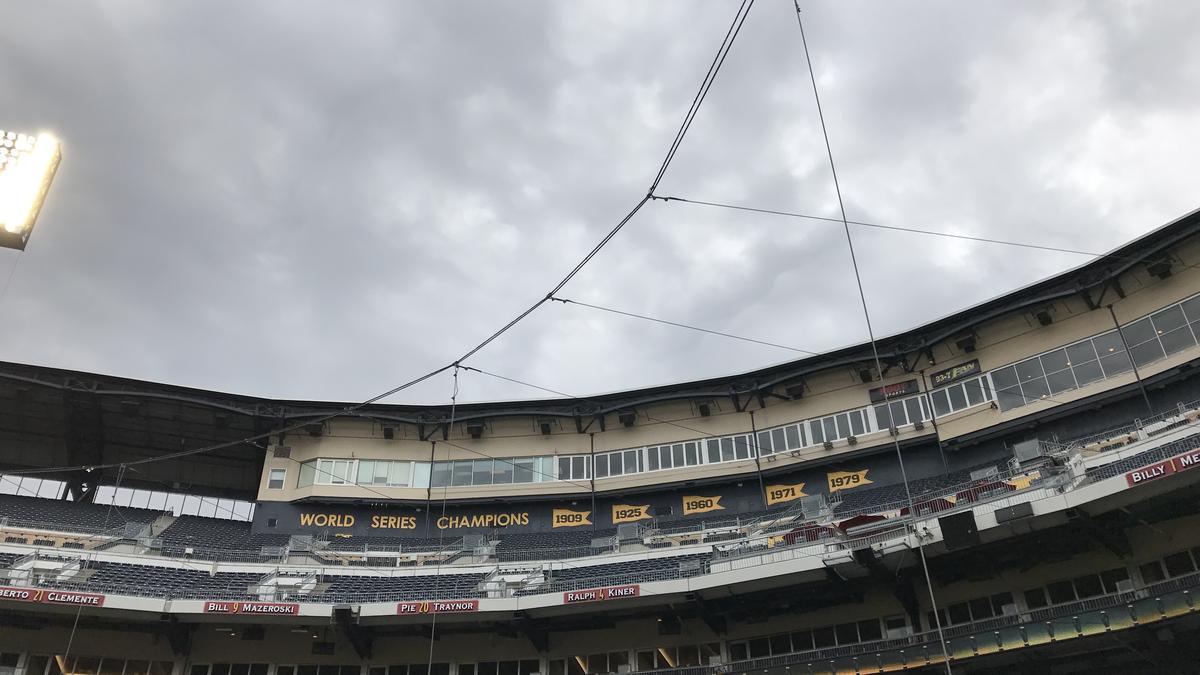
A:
1087, 372
830, 428
778, 442
1054, 361
792, 433
441, 474
1147, 352
420, 474
780, 644
1191, 308
974, 391
1063, 380
869, 630
981, 608
958, 397
1060, 592
615, 466
602, 465
1108, 343
664, 454
1115, 363
1081, 352
857, 426
482, 472
759, 647
503, 472
714, 450
727, 449
1138, 332
651, 458
1003, 378
461, 472
631, 461
1111, 578
742, 445
530, 666
1000, 601
913, 407
677, 454
382, 469
487, 668
1168, 319
843, 425
764, 442
1088, 586
814, 430
959, 613
690, 454
1035, 598
579, 467
1174, 341
366, 472
564, 468
882, 417
1035, 389
941, 402
1178, 564
645, 660
847, 633
1029, 369
899, 416
511, 667
523, 470
802, 640
823, 637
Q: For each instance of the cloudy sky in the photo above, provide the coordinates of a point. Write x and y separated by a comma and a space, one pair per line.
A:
321, 200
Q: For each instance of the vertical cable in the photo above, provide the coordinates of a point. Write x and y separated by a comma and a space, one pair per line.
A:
107, 515
437, 576
862, 296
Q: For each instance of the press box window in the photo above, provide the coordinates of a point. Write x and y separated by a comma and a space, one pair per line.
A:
275, 479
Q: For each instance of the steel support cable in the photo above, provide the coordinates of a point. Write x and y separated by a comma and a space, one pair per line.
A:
437, 574
713, 69
568, 301
912, 512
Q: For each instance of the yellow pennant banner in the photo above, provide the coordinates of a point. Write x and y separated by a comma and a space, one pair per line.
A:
776, 540
693, 504
847, 480
778, 494
628, 513
569, 518
1024, 480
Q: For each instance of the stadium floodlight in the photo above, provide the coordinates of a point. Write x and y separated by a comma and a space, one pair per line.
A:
27, 166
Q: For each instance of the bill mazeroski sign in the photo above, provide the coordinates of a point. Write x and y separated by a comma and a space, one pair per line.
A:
260, 608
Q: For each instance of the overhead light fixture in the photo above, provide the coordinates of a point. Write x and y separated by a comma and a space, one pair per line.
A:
27, 167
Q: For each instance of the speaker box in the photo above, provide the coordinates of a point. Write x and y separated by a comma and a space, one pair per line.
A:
1008, 513
959, 531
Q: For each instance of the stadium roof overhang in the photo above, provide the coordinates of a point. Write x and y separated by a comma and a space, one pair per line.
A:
53, 417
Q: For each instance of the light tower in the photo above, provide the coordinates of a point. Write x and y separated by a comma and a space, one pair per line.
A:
27, 167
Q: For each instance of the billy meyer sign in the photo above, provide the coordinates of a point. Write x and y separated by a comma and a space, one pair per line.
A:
1166, 467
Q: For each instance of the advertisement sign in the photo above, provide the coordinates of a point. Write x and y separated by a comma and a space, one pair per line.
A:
890, 391
954, 373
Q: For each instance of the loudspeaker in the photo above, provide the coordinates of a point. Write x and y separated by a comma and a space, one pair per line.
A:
1023, 510
959, 531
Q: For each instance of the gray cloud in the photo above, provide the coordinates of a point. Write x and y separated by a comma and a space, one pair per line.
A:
299, 200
